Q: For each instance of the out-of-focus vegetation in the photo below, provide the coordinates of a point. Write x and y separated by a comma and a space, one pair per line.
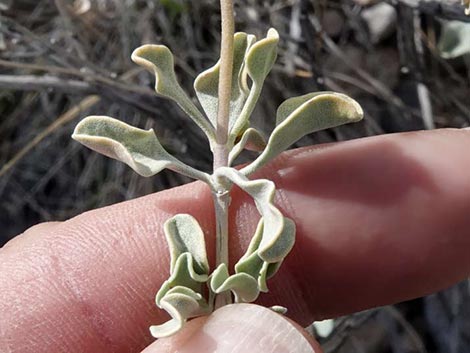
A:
62, 60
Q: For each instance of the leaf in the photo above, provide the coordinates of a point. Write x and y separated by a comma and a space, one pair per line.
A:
251, 140
259, 61
299, 116
218, 277
455, 39
206, 84
181, 295
139, 149
275, 224
159, 60
183, 274
242, 285
181, 303
261, 57
251, 263
184, 234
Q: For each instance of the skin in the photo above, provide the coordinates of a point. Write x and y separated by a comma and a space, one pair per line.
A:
379, 220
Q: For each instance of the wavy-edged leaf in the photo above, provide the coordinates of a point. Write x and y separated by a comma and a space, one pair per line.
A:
300, 116
159, 60
259, 61
182, 304
251, 140
262, 56
183, 234
243, 286
206, 84
455, 39
182, 275
218, 277
263, 192
139, 149
252, 264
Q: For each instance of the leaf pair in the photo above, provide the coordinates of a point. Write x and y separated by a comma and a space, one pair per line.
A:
252, 60
273, 240
252, 271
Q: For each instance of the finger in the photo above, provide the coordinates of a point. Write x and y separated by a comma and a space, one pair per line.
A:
379, 220
239, 328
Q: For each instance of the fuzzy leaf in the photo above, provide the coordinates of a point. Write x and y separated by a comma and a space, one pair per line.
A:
218, 277
251, 140
263, 192
181, 303
261, 57
159, 60
252, 264
300, 116
242, 285
140, 149
455, 39
183, 234
259, 61
183, 274
206, 84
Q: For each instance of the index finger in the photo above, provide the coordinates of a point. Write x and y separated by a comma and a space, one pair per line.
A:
379, 220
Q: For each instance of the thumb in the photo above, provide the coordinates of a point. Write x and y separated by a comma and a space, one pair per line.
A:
239, 328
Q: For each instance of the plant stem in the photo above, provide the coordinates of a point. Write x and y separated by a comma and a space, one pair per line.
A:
221, 151
226, 69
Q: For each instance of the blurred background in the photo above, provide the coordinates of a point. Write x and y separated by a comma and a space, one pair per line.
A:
406, 61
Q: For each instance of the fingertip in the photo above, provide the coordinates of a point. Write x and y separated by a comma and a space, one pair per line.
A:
239, 328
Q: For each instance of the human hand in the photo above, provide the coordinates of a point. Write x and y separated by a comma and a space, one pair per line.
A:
379, 220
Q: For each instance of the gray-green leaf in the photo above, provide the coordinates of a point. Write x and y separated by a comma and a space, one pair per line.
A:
261, 57
184, 234
299, 116
251, 263
251, 140
259, 61
206, 84
182, 304
139, 149
159, 60
183, 274
243, 286
274, 244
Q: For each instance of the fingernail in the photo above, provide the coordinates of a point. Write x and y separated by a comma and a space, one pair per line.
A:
241, 328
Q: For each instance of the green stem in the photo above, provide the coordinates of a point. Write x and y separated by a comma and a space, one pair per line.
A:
222, 194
